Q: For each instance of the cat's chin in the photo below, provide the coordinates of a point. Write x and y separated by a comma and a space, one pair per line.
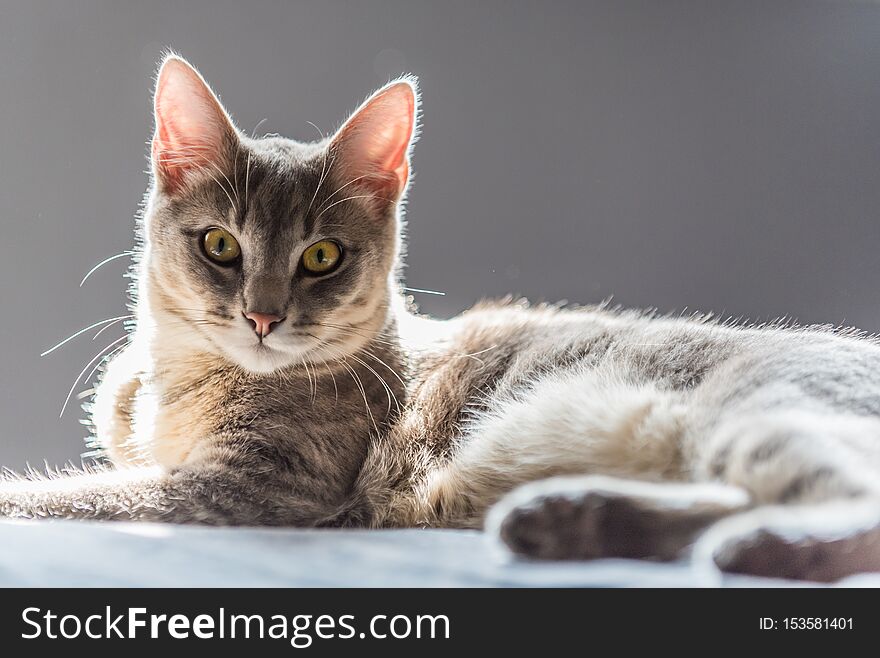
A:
262, 360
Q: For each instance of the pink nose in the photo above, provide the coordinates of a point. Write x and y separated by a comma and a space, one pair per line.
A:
262, 323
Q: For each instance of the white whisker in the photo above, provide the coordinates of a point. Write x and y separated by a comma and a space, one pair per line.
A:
390, 369
360, 386
427, 292
107, 356
327, 200
388, 392
348, 198
302, 360
106, 327
102, 263
98, 356
324, 169
333, 377
247, 179
257, 127
82, 331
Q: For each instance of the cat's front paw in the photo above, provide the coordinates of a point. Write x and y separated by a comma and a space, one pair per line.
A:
556, 527
591, 517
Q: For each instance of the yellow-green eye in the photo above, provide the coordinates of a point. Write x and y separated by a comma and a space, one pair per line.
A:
221, 246
322, 257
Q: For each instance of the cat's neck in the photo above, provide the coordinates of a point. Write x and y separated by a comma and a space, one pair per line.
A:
188, 393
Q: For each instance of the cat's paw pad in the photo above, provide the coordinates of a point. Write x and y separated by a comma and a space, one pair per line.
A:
590, 517
555, 527
786, 550
766, 554
770, 555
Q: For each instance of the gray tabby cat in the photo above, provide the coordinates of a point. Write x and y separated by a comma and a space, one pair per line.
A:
275, 376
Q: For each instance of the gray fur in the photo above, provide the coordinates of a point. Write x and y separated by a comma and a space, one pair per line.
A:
411, 422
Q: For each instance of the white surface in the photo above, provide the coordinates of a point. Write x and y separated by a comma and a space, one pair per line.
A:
69, 553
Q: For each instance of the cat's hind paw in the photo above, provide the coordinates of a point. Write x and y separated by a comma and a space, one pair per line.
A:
822, 544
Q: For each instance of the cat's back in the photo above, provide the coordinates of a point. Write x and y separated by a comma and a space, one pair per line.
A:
506, 344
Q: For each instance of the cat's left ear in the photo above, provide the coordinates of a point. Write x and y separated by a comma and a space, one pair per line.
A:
373, 146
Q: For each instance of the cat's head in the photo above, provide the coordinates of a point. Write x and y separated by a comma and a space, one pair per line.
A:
270, 252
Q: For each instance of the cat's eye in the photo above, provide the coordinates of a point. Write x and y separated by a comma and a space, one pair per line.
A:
220, 246
322, 257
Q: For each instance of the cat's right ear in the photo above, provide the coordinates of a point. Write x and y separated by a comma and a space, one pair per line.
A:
194, 134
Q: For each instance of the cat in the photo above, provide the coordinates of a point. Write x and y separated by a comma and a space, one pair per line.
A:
276, 374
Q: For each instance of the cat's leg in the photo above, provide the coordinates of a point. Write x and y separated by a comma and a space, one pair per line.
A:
794, 458
112, 409
816, 479
822, 542
572, 423
225, 491
592, 517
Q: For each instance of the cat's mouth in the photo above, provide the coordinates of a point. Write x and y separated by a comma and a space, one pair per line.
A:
285, 347
294, 343
269, 353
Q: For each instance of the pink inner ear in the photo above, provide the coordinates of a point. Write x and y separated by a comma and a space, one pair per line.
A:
374, 142
397, 160
191, 126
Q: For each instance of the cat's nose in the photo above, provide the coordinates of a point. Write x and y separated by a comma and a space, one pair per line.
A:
262, 323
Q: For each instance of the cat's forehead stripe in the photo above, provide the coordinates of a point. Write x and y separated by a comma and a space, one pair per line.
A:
275, 197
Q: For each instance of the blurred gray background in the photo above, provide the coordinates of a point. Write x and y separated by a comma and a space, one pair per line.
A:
702, 155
